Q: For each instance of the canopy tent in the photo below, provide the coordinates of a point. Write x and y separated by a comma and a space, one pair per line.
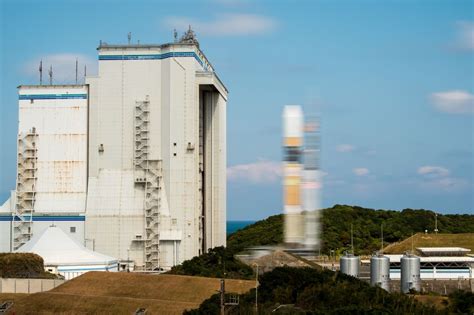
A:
66, 256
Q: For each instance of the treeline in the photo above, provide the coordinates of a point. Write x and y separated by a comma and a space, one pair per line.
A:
310, 291
336, 226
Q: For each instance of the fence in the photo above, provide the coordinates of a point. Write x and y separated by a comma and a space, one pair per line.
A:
14, 285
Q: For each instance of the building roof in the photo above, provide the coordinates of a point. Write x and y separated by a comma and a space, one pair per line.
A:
59, 249
434, 259
49, 86
443, 251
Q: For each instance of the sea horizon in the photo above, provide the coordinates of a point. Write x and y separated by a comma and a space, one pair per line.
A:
234, 225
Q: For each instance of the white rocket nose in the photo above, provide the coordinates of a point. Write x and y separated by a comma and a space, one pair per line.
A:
293, 121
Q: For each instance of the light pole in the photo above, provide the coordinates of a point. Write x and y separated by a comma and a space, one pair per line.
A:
256, 290
436, 223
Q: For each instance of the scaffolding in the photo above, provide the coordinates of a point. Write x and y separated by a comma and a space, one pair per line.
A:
148, 173
25, 189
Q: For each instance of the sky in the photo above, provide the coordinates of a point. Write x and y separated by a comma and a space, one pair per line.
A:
392, 83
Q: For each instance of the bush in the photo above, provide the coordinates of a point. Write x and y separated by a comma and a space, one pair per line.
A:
22, 265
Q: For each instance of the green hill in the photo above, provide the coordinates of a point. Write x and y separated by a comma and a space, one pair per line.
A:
336, 224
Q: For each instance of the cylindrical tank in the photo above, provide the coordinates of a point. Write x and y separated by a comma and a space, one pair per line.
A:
350, 265
380, 271
410, 273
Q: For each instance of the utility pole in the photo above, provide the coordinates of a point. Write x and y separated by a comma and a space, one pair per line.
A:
41, 71
436, 223
128, 259
222, 291
76, 70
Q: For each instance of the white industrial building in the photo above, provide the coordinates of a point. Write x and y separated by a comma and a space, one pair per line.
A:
438, 263
132, 163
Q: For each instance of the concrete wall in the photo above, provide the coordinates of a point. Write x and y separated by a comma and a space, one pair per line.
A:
13, 285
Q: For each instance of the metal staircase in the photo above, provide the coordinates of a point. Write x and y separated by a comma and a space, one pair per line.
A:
25, 189
149, 174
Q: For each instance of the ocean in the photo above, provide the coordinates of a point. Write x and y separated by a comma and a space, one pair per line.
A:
233, 226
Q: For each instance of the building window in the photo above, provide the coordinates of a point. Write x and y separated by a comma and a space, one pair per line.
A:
72, 229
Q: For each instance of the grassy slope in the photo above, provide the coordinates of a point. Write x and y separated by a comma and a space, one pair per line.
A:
465, 240
124, 293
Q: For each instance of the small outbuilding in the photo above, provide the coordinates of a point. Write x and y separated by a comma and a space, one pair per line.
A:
65, 256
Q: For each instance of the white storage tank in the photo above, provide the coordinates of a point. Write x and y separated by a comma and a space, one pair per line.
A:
380, 271
410, 273
350, 264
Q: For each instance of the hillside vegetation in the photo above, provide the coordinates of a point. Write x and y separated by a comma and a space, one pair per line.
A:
22, 265
336, 224
311, 291
219, 262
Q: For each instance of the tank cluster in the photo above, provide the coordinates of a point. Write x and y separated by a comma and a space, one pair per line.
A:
380, 270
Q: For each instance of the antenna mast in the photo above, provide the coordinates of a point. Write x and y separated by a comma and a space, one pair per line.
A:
381, 230
50, 75
352, 239
41, 72
76, 70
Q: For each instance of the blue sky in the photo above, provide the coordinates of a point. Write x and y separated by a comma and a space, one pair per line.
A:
393, 83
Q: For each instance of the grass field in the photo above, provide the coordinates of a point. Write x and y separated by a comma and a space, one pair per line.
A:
124, 293
465, 240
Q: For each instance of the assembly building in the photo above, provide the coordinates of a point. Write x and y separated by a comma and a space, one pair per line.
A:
132, 163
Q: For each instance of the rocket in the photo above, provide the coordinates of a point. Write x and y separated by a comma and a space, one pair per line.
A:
292, 174
311, 184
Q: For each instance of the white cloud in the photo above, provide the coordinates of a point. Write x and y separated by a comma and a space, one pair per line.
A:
437, 178
345, 148
454, 102
361, 171
465, 35
433, 171
64, 67
262, 171
225, 24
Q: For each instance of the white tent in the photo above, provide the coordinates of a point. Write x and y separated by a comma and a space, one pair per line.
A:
65, 256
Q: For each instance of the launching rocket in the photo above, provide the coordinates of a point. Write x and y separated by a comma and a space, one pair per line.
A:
292, 172
301, 180
311, 184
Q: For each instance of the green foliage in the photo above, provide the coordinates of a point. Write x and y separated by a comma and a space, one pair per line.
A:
22, 265
219, 262
461, 302
264, 232
336, 224
311, 291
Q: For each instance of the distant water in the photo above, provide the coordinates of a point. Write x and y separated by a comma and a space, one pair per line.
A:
233, 226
